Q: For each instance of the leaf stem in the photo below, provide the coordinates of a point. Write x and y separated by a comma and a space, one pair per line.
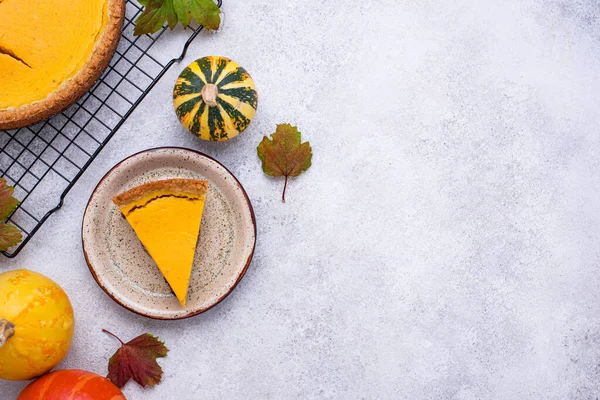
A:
284, 187
113, 335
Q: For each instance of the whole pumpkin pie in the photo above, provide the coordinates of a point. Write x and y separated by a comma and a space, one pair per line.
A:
166, 217
51, 53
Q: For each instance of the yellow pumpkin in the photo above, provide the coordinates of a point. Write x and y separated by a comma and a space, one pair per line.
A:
36, 324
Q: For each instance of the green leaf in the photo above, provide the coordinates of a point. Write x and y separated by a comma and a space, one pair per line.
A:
170, 11
157, 12
284, 154
9, 236
183, 11
152, 19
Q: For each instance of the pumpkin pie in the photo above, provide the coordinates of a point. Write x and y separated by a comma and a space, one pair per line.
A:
166, 217
51, 53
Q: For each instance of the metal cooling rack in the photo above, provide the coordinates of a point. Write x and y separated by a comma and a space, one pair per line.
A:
44, 161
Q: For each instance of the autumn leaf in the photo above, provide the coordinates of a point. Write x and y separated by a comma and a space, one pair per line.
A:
7, 202
205, 12
157, 12
137, 359
9, 235
284, 154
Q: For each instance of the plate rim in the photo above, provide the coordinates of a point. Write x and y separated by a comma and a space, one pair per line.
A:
192, 313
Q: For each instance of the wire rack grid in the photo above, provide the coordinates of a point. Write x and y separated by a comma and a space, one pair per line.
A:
44, 161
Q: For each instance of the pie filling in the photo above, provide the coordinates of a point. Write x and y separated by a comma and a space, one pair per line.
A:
44, 43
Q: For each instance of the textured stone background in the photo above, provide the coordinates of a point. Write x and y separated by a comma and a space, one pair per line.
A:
445, 244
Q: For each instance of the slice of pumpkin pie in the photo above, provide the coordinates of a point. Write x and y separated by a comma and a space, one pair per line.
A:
166, 217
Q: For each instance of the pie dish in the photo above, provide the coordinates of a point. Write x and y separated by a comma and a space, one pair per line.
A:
166, 217
127, 273
51, 53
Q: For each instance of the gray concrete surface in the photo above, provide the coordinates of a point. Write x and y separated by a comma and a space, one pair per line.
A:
444, 245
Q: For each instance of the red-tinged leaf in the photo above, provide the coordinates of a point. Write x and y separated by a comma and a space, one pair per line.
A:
284, 154
9, 236
206, 13
7, 202
136, 360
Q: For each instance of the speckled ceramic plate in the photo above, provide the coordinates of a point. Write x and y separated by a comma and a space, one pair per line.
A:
123, 268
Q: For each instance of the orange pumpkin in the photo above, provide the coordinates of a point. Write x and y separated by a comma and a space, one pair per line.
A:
71, 384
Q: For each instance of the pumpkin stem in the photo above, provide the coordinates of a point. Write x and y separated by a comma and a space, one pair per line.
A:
7, 329
210, 91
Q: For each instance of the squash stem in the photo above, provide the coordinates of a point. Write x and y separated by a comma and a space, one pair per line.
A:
209, 92
7, 329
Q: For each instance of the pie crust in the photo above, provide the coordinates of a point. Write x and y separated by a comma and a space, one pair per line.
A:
175, 186
75, 87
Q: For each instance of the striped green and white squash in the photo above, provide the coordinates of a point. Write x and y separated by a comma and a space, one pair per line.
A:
215, 98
